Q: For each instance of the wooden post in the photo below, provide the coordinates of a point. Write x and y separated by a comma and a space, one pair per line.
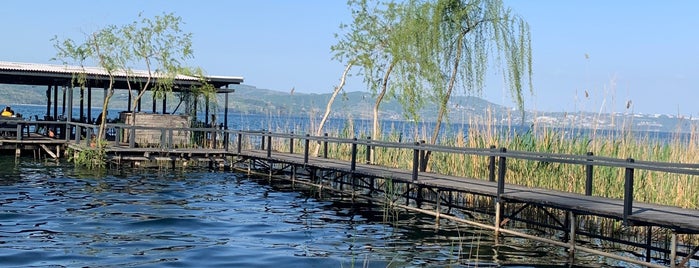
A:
368, 151
291, 143
416, 160
423, 161
325, 145
269, 146
571, 240
240, 142
48, 100
353, 164
502, 168
491, 165
306, 144
628, 191
588, 175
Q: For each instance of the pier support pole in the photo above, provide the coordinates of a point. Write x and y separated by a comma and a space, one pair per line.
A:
673, 250
571, 240
498, 211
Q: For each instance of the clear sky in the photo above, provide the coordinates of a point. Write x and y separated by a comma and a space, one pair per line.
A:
645, 52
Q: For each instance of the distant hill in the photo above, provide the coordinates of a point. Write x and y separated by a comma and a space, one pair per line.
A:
349, 104
358, 105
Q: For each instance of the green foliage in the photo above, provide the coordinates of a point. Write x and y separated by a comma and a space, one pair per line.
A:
92, 158
417, 51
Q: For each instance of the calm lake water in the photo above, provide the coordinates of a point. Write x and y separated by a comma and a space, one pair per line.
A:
54, 215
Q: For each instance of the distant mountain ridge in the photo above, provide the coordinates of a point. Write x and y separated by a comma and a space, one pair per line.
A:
359, 105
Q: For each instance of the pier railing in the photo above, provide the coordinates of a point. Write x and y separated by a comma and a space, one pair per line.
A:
497, 158
235, 141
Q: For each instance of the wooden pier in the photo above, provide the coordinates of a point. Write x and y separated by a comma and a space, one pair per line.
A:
569, 220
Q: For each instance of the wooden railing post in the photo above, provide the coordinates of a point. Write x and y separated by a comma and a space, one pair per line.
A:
240, 142
588, 175
628, 191
368, 150
226, 139
262, 142
306, 150
132, 137
353, 164
325, 145
423, 162
491, 165
269, 145
502, 167
163, 138
77, 135
416, 160
291, 143
170, 138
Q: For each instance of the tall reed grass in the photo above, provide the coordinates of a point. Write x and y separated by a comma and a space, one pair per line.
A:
650, 186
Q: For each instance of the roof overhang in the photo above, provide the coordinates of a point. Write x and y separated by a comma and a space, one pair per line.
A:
48, 74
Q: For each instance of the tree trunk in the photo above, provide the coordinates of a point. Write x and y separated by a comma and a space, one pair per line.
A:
375, 133
330, 103
445, 99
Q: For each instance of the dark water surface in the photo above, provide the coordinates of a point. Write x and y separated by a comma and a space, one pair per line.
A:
52, 215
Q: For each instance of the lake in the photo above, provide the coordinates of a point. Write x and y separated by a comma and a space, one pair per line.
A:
52, 214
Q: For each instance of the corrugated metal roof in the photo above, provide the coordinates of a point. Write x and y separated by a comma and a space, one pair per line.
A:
63, 71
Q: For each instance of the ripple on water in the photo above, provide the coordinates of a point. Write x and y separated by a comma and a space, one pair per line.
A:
52, 216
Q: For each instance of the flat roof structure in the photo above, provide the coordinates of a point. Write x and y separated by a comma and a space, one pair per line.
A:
52, 74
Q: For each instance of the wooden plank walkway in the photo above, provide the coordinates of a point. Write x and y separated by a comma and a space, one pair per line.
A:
679, 219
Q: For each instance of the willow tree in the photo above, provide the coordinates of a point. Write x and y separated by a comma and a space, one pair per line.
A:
367, 45
159, 45
474, 35
102, 46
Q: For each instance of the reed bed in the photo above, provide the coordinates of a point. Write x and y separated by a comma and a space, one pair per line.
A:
652, 187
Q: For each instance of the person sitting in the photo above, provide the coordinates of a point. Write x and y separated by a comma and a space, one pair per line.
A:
7, 112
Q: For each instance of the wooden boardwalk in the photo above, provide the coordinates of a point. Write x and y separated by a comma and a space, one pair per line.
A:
679, 219
647, 216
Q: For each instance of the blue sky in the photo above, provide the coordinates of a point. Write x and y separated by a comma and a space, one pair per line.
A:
645, 52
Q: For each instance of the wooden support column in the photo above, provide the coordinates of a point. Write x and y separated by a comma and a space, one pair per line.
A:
673, 250
129, 101
89, 104
55, 102
571, 241
225, 112
206, 112
154, 104
69, 113
164, 103
63, 101
139, 100
48, 101
82, 105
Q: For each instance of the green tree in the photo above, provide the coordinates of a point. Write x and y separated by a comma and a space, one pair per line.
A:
468, 34
420, 51
159, 45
